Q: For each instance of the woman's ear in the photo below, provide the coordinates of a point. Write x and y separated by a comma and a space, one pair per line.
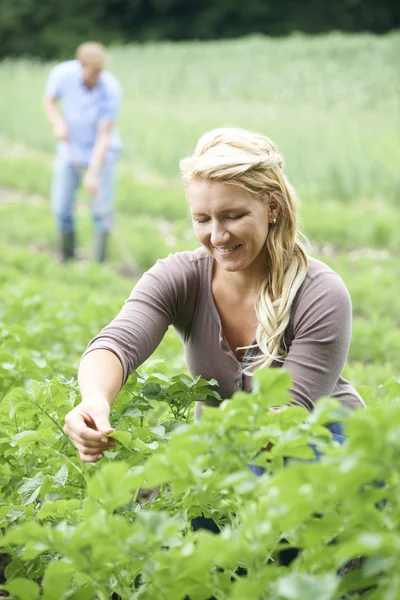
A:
273, 210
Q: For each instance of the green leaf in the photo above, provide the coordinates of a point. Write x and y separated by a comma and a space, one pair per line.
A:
22, 589
7, 361
178, 389
141, 404
27, 438
61, 476
375, 565
131, 411
171, 425
159, 376
17, 397
141, 445
123, 437
21, 534
30, 489
15, 568
14, 513
393, 388
85, 593
22, 435
62, 509
272, 384
151, 390
112, 485
57, 580
298, 586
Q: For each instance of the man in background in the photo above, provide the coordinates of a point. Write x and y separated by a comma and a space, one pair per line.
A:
82, 102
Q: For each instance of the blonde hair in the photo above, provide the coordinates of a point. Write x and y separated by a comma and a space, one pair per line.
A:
92, 53
252, 162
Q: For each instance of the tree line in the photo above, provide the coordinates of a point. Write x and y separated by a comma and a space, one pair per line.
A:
52, 29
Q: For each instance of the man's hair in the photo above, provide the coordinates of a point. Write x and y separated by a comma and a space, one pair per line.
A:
252, 162
92, 53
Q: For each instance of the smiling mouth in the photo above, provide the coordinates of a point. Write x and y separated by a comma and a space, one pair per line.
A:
227, 250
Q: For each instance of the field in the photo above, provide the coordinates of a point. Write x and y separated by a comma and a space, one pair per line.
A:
331, 104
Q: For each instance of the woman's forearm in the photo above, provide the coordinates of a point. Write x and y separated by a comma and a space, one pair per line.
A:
100, 374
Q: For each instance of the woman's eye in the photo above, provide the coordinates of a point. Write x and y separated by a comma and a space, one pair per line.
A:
235, 217
201, 220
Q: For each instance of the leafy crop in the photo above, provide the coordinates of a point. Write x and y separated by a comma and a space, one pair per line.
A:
88, 531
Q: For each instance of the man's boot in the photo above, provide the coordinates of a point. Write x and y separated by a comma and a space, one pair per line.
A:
67, 242
100, 246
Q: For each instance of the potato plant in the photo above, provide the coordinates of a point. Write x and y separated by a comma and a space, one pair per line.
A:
86, 531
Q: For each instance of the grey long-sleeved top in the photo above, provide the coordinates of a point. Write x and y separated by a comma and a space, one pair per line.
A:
177, 291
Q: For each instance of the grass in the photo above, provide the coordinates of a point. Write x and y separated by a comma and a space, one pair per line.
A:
330, 102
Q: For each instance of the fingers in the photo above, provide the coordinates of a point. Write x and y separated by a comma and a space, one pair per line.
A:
90, 443
92, 446
82, 425
90, 458
88, 453
92, 453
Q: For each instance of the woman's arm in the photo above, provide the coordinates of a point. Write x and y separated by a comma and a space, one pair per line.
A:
87, 425
161, 296
100, 374
322, 321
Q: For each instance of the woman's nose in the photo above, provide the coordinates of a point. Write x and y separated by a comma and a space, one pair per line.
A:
219, 234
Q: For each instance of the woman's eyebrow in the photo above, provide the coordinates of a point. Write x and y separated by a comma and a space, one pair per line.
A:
225, 211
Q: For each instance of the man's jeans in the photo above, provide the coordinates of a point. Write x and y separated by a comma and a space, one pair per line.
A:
67, 176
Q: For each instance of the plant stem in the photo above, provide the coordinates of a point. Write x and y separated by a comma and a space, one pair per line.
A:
13, 466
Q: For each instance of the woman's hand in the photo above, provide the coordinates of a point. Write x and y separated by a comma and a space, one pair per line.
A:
87, 426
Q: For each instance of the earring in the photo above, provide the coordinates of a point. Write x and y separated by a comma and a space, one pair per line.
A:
273, 221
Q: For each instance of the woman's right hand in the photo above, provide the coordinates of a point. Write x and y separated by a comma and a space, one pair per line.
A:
87, 426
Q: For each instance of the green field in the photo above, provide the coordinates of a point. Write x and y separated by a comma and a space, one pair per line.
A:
331, 105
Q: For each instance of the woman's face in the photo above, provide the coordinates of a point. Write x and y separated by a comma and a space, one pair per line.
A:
230, 223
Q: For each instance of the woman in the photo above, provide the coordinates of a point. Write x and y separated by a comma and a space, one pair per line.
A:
249, 298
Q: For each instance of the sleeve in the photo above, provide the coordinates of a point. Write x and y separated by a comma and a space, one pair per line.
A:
111, 102
157, 301
54, 82
322, 333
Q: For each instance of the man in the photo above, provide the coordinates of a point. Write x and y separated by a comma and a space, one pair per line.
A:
88, 142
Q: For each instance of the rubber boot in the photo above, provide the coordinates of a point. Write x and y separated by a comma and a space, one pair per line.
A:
100, 246
67, 245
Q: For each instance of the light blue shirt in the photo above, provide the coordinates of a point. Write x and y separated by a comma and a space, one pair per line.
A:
83, 108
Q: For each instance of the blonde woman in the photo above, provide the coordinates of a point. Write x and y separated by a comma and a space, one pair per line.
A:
248, 298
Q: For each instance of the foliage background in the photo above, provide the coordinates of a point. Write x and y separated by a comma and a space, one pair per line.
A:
54, 29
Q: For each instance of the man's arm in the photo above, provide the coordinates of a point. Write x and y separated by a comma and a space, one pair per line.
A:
99, 152
55, 117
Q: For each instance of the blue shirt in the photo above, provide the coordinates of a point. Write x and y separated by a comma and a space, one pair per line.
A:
83, 108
